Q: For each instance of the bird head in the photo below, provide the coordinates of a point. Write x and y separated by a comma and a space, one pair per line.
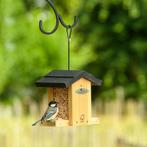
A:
53, 104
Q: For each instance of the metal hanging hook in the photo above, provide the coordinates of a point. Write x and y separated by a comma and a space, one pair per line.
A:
58, 19
67, 27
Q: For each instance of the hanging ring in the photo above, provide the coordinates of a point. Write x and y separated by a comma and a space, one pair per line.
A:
58, 19
69, 32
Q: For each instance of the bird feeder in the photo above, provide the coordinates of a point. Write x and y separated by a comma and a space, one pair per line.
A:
71, 89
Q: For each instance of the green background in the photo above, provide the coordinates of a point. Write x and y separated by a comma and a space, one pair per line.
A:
110, 41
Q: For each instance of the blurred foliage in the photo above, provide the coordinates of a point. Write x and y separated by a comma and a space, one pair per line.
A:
110, 42
117, 33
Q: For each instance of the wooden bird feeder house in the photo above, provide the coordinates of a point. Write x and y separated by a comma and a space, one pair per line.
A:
72, 90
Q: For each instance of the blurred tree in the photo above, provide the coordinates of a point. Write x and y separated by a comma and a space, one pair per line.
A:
110, 42
25, 53
116, 30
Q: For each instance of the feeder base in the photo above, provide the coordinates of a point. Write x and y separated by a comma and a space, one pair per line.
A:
64, 123
56, 123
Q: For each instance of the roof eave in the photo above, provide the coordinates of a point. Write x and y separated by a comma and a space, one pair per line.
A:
58, 85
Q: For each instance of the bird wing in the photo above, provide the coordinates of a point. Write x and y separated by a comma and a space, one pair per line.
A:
48, 114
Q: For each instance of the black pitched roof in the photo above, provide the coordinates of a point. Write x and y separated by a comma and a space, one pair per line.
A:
64, 78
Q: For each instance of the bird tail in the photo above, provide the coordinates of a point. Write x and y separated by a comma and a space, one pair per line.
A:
34, 124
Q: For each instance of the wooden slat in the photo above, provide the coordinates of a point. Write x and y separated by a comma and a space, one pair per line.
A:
56, 123
62, 122
81, 103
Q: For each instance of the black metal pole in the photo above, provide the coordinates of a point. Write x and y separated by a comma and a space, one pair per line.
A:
68, 31
69, 39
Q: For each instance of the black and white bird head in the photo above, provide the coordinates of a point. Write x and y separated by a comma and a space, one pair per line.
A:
53, 104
